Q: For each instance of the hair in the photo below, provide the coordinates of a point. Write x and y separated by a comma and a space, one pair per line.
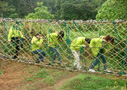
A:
111, 40
107, 37
17, 22
88, 40
60, 35
37, 34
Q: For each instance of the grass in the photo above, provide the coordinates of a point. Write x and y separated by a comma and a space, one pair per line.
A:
90, 82
39, 74
1, 71
49, 79
43, 74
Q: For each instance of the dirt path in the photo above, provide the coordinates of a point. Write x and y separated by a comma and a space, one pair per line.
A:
14, 75
60, 83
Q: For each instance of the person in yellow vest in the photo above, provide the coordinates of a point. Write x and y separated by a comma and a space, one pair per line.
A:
53, 40
16, 37
36, 42
96, 48
75, 48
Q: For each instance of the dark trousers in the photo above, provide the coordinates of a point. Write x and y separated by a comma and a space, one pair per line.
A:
18, 43
55, 53
40, 53
100, 55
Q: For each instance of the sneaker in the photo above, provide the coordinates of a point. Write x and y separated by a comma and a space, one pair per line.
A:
14, 57
92, 70
79, 69
42, 63
37, 61
61, 64
108, 71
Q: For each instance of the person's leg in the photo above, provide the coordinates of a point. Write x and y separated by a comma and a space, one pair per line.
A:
54, 53
94, 63
21, 42
40, 53
17, 48
104, 61
58, 54
76, 56
78, 62
18, 45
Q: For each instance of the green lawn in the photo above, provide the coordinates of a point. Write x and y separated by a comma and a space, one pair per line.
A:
90, 82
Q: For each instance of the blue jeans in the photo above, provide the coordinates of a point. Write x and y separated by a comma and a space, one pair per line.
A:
40, 53
55, 52
97, 61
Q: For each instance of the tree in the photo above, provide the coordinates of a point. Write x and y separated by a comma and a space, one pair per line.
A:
7, 10
41, 12
77, 9
23, 7
51, 5
113, 9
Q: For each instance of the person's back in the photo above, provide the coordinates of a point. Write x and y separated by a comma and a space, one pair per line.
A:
36, 43
95, 44
52, 39
13, 32
76, 43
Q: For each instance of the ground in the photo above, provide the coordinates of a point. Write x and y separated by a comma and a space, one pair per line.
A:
19, 76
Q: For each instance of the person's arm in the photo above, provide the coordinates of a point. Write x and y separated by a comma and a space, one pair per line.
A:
10, 34
49, 36
22, 35
77, 44
37, 42
92, 43
81, 43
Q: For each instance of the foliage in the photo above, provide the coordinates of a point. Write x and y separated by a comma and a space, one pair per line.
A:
113, 9
41, 12
49, 79
7, 10
51, 5
61, 9
77, 9
23, 7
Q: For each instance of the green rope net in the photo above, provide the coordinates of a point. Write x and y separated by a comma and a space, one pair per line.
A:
115, 53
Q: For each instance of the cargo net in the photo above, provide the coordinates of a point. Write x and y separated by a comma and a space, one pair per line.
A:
116, 54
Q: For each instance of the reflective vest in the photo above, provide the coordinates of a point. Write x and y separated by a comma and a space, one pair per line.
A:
52, 40
96, 44
36, 43
77, 43
14, 33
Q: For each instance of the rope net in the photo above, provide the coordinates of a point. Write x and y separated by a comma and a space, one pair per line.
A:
115, 53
